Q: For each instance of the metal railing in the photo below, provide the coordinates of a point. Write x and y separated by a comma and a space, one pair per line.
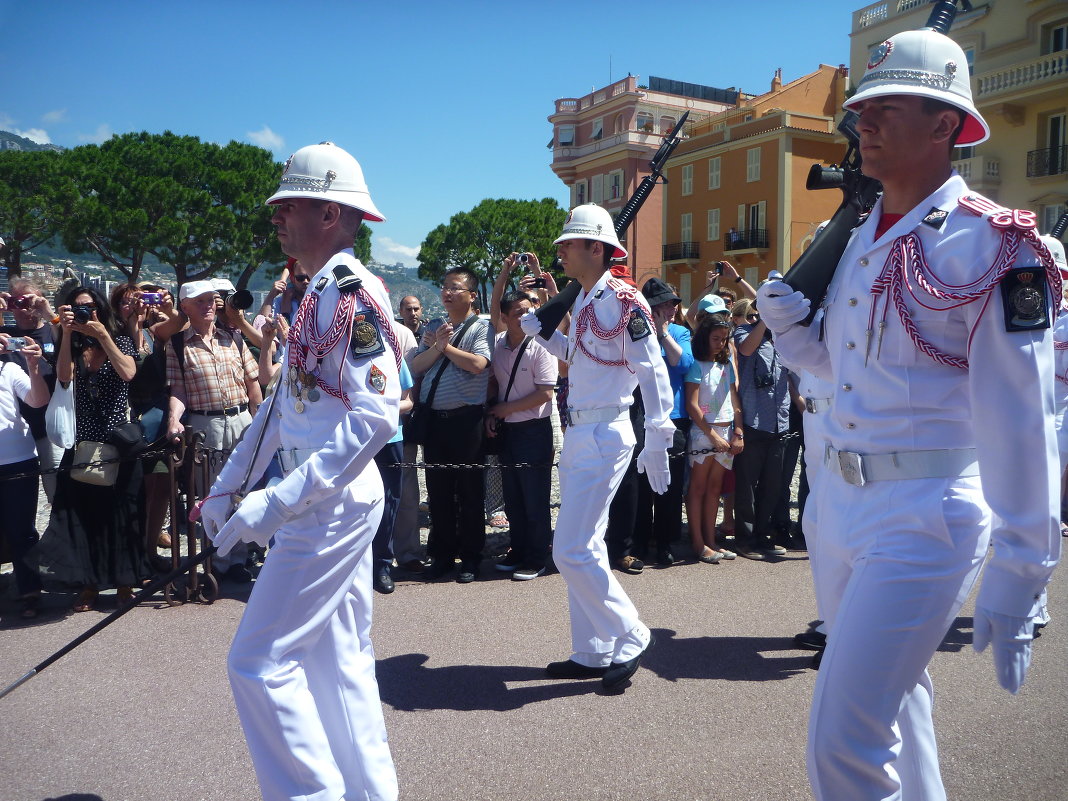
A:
682, 250
1047, 161
749, 239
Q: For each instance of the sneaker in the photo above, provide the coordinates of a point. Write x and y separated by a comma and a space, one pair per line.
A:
631, 565
509, 562
526, 573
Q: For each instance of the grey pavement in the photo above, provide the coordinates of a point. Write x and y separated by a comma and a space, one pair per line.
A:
717, 711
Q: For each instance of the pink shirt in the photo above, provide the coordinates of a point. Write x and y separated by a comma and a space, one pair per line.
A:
537, 369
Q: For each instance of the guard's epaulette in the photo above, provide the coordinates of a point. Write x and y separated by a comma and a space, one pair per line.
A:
346, 278
997, 215
623, 289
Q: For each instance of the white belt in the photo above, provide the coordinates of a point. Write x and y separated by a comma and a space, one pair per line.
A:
292, 458
606, 415
817, 405
858, 469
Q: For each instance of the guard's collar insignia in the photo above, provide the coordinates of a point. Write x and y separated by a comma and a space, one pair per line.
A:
935, 218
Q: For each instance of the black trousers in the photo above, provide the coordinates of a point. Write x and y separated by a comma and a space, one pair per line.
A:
758, 475
456, 495
659, 517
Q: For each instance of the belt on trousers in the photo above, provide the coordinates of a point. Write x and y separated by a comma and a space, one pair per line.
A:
460, 411
817, 405
229, 411
858, 468
289, 459
606, 415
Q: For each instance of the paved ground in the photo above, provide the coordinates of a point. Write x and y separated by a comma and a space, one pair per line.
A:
718, 710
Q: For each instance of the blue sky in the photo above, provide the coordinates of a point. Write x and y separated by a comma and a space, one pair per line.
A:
444, 104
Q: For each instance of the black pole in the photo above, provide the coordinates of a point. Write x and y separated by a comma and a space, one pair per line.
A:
148, 591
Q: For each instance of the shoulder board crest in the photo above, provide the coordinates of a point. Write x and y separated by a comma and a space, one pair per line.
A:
638, 326
366, 337
346, 278
1025, 299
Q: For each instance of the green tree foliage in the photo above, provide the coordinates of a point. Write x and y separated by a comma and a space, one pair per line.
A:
362, 245
34, 201
191, 204
480, 239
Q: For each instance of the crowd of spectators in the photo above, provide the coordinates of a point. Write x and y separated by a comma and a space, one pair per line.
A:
198, 364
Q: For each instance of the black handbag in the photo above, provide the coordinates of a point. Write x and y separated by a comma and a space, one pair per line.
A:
494, 446
417, 429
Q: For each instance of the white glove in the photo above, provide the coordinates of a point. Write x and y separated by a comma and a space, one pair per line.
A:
780, 306
654, 463
530, 324
256, 519
1010, 640
214, 512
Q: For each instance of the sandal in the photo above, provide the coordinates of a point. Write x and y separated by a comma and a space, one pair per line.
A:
124, 597
29, 605
499, 520
86, 600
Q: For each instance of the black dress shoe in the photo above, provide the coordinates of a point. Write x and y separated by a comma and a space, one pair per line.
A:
811, 640
384, 582
665, 558
468, 573
619, 673
570, 669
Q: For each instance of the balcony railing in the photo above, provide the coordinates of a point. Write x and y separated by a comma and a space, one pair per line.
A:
682, 250
1047, 161
979, 169
1026, 75
749, 239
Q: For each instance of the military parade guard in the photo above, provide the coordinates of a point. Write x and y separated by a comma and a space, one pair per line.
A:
301, 664
936, 335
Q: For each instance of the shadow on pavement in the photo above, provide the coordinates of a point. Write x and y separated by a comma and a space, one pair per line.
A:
726, 658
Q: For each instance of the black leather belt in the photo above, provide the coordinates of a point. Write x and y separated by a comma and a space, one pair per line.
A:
462, 411
229, 411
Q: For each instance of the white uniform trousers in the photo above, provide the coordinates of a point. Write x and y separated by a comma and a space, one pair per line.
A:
302, 667
592, 463
895, 561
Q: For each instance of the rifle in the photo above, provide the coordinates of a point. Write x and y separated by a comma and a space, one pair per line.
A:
811, 274
552, 312
1057, 231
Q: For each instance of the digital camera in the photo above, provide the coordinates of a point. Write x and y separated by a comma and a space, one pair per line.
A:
152, 298
241, 299
14, 344
21, 302
765, 381
522, 258
82, 314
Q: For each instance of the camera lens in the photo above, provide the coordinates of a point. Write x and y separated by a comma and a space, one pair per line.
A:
241, 299
82, 314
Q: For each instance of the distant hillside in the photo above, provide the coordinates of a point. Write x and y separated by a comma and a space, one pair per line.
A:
10, 141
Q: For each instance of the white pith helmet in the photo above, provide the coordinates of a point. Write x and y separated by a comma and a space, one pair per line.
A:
590, 221
924, 63
326, 172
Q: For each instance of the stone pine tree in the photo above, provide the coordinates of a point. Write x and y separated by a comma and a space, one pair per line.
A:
194, 205
480, 239
34, 201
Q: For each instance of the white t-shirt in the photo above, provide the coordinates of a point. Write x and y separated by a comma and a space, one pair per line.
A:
714, 394
16, 441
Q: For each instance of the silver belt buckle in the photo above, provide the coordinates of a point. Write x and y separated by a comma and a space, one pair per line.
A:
568, 417
810, 405
851, 466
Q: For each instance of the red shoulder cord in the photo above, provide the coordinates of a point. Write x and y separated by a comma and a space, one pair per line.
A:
906, 267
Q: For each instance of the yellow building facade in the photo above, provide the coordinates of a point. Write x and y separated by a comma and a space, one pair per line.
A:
1017, 53
736, 186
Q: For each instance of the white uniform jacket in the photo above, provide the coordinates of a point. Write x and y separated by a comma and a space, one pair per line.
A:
594, 383
344, 440
892, 397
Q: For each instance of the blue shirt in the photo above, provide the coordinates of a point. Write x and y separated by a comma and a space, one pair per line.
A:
406, 382
677, 373
765, 408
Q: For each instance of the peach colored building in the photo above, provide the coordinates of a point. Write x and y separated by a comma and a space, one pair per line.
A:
1017, 52
603, 142
736, 187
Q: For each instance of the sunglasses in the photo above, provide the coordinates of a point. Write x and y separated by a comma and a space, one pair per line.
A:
302, 278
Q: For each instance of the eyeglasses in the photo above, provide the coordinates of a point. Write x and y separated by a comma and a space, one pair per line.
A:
302, 278
451, 289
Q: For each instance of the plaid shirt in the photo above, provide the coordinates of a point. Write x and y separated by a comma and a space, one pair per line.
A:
214, 378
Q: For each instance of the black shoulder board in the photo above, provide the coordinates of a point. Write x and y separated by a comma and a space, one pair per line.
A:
638, 326
347, 280
1025, 298
935, 218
